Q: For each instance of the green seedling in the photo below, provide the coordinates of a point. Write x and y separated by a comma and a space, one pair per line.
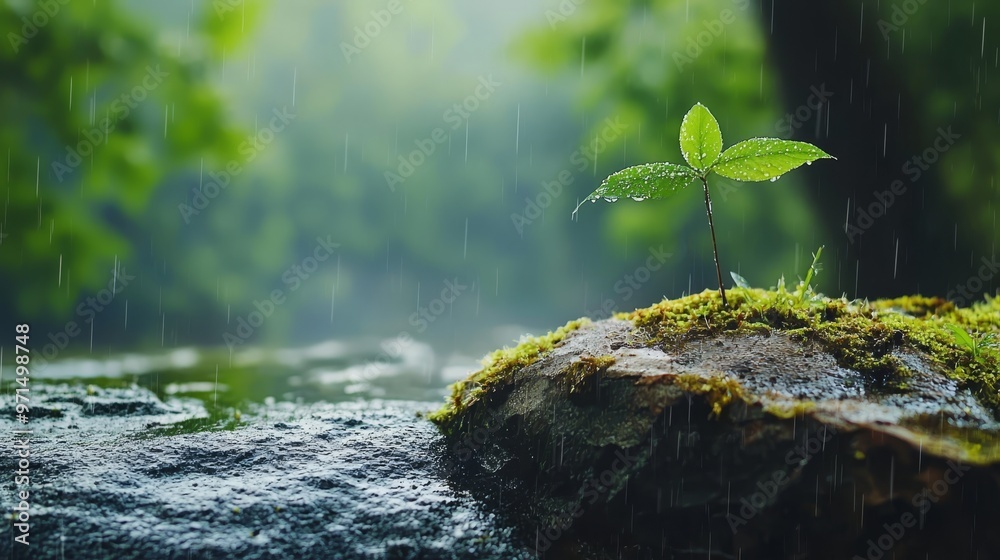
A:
757, 159
804, 293
976, 344
805, 286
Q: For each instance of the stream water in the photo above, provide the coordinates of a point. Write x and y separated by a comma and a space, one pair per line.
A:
331, 371
316, 452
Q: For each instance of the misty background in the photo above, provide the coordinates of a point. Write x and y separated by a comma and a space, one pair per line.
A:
408, 169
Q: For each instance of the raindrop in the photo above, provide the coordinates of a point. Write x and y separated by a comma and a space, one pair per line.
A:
517, 131
895, 263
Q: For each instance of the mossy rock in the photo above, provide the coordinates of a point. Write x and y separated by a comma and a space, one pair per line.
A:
784, 426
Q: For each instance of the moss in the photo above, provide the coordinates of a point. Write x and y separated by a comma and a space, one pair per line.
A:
862, 336
497, 370
790, 409
579, 372
968, 443
718, 390
918, 306
867, 337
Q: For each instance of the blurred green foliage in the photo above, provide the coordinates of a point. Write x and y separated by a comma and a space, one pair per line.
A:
478, 209
647, 64
85, 90
898, 72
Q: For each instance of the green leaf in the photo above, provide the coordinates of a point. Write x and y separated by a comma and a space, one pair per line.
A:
650, 180
741, 282
701, 138
962, 337
761, 159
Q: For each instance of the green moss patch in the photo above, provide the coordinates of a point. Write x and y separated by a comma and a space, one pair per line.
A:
867, 337
862, 336
498, 368
578, 373
719, 391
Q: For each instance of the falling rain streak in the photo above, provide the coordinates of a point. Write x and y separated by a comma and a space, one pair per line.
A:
129, 302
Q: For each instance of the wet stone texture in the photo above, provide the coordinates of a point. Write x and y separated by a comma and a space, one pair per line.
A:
732, 446
116, 473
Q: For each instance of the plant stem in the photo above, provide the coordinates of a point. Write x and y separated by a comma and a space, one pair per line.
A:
715, 248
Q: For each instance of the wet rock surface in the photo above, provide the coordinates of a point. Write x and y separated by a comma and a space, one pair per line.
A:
732, 445
116, 473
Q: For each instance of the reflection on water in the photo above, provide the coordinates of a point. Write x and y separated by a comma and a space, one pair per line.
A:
330, 371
